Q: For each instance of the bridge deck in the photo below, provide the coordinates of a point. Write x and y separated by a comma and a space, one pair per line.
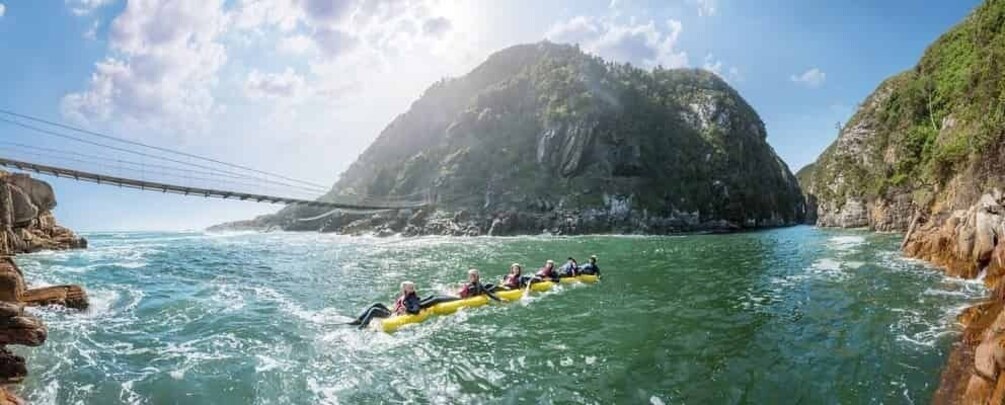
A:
188, 191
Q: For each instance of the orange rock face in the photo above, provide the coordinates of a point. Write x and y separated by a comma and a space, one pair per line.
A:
970, 243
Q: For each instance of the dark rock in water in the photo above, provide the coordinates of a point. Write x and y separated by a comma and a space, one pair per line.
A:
12, 367
544, 138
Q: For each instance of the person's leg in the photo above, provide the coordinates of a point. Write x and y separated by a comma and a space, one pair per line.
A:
364, 313
374, 312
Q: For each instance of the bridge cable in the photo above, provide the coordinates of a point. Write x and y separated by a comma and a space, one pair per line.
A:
161, 149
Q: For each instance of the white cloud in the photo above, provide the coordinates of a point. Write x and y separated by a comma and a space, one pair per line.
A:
436, 26
642, 44
712, 64
92, 32
296, 44
252, 14
716, 66
327, 12
161, 67
334, 42
707, 8
84, 7
337, 28
3, 9
812, 78
286, 85
735, 75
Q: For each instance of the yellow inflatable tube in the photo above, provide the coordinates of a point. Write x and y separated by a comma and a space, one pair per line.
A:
447, 308
394, 323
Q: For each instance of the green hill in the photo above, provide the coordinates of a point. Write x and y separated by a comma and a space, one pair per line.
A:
543, 137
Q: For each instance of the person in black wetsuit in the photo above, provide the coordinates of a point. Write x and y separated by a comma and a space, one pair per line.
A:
407, 303
591, 267
472, 288
569, 269
515, 280
546, 273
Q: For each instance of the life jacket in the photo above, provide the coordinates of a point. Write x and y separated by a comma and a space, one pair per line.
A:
469, 290
399, 304
588, 268
546, 272
512, 281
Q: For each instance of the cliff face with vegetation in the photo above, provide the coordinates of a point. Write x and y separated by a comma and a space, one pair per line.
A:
925, 154
928, 139
27, 225
544, 138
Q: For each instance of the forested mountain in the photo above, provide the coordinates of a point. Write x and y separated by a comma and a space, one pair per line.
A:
545, 138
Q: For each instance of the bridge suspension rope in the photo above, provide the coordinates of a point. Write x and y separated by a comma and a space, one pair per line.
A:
173, 173
157, 148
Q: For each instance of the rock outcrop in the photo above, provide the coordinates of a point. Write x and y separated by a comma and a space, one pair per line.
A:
928, 140
27, 225
970, 243
544, 138
925, 154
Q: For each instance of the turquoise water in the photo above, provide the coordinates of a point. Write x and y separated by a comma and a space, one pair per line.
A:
796, 315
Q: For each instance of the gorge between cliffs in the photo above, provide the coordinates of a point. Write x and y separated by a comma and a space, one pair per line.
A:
545, 139
874, 274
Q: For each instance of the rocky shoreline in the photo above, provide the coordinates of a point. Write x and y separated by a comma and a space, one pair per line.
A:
970, 244
27, 225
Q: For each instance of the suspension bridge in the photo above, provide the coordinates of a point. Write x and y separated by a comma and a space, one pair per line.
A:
162, 170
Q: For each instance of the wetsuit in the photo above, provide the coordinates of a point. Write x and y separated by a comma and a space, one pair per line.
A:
467, 291
568, 270
475, 289
406, 304
590, 268
546, 274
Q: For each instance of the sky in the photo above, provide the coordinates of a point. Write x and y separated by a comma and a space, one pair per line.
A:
301, 87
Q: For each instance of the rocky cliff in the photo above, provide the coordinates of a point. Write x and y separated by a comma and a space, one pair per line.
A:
925, 154
27, 225
544, 138
928, 139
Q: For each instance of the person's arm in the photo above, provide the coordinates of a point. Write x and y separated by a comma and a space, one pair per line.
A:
487, 292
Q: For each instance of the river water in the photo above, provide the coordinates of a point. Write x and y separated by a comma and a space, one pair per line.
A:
796, 315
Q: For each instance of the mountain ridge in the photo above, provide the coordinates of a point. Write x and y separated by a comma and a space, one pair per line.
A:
545, 138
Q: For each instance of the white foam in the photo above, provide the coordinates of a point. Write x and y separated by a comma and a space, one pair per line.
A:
847, 242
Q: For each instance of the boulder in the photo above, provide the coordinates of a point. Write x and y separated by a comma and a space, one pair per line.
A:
40, 192
23, 211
